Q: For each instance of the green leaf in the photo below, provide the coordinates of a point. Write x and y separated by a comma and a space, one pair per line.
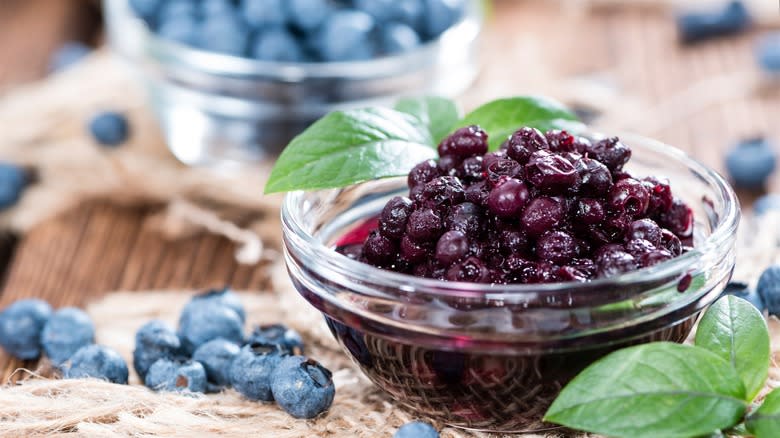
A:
659, 389
500, 118
765, 422
349, 147
736, 331
437, 113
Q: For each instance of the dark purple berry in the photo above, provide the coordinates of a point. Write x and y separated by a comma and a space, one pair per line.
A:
379, 249
392, 221
465, 142
595, 178
551, 173
448, 165
671, 242
524, 142
586, 266
570, 273
500, 170
678, 219
660, 195
589, 211
422, 173
477, 193
557, 247
613, 262
466, 218
651, 258
490, 158
452, 246
470, 169
508, 198
542, 214
560, 141
638, 247
629, 196
645, 229
412, 251
512, 241
424, 225
471, 270
611, 152
441, 191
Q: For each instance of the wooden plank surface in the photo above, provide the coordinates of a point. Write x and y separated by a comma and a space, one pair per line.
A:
99, 247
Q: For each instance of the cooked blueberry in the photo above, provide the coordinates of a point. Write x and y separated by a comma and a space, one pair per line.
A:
678, 219
595, 178
645, 229
542, 214
416, 429
610, 152
590, 211
216, 356
109, 128
176, 376
750, 163
66, 331
21, 325
557, 247
264, 13
398, 38
465, 142
768, 289
68, 55
551, 173
614, 262
424, 225
201, 323
96, 362
452, 246
501, 170
441, 191
13, 181
395, 215
470, 270
661, 197
250, 372
276, 45
153, 341
465, 217
629, 196
524, 142
743, 290
288, 339
508, 198
562, 141
302, 387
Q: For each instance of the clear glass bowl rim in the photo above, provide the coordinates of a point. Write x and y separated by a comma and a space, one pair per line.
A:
327, 262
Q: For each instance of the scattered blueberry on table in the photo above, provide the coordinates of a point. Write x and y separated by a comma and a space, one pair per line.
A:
176, 376
301, 30
21, 325
66, 331
288, 339
216, 357
769, 289
416, 429
766, 203
217, 297
153, 341
109, 128
768, 53
744, 291
68, 55
731, 18
751, 162
202, 323
97, 362
250, 372
13, 181
302, 387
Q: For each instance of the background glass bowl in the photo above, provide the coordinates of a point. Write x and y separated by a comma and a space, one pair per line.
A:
220, 109
494, 357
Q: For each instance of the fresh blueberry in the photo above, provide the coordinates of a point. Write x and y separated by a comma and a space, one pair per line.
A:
440, 15
224, 33
398, 38
178, 376
183, 29
701, 25
416, 429
769, 289
264, 13
97, 362
21, 324
203, 323
307, 15
250, 372
146, 9
302, 387
67, 55
66, 331
742, 290
346, 36
171, 9
217, 297
109, 128
13, 181
216, 357
381, 10
288, 339
212, 7
768, 53
276, 45
751, 162
767, 203
154, 340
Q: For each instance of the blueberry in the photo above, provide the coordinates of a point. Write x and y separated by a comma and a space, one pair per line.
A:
381, 10
183, 29
217, 297
250, 372
178, 376
146, 9
767, 203
204, 323
224, 33
67, 55
263, 13
742, 290
212, 7
21, 324
768, 289
768, 53
751, 162
171, 9
66, 331
216, 357
440, 15
307, 15
288, 339
416, 429
276, 45
97, 362
13, 181
398, 38
346, 36
701, 25
302, 387
154, 340
109, 128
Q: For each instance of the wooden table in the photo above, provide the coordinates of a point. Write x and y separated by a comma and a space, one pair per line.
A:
99, 247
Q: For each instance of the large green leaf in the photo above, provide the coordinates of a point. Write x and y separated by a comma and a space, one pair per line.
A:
437, 113
765, 422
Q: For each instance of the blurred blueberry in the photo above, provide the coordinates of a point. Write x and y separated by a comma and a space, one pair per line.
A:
307, 15
154, 340
346, 36
742, 290
178, 376
302, 387
766, 203
212, 7
224, 33
109, 128
172, 9
768, 52
250, 372
67, 55
204, 323
440, 15
750, 163
410, 12
97, 362
381, 10
264, 13
183, 30
146, 9
13, 181
398, 38
66, 331
769, 289
217, 297
288, 339
416, 429
701, 25
276, 45
216, 357
21, 324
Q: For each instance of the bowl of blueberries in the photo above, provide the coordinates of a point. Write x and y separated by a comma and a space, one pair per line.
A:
477, 287
233, 81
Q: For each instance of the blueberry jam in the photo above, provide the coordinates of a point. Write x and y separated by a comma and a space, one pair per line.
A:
545, 208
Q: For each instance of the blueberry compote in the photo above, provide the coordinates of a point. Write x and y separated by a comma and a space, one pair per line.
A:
545, 208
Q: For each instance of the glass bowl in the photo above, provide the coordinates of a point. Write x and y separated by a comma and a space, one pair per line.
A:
220, 109
493, 357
